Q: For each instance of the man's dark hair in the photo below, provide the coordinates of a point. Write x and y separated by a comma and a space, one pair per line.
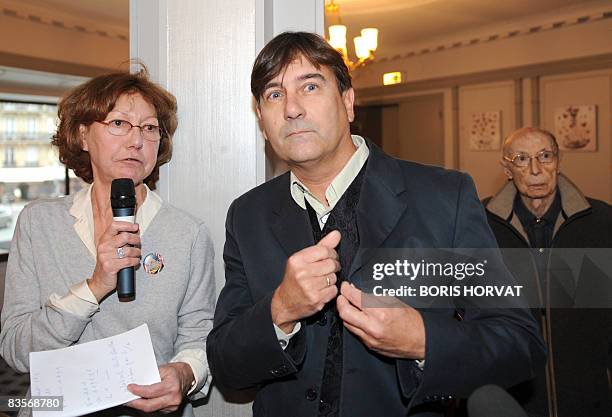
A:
285, 48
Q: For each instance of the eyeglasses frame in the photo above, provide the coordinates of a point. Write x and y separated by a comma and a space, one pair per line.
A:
162, 133
536, 156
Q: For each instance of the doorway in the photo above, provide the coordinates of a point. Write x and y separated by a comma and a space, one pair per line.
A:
410, 128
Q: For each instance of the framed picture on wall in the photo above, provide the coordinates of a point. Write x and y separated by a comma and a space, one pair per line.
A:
576, 127
485, 131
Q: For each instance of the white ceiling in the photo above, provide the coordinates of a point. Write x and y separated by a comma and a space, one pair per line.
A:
404, 23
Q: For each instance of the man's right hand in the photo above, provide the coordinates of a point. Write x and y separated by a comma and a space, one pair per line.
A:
308, 284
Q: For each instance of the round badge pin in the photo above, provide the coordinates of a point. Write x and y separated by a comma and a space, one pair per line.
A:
153, 263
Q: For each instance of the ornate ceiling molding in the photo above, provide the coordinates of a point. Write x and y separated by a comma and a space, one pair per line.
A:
60, 20
521, 30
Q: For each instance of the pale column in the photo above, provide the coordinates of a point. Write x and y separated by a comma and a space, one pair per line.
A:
202, 51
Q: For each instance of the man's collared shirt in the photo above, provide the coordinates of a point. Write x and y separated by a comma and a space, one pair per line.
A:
301, 194
338, 186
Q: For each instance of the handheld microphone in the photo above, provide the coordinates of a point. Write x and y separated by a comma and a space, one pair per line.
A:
123, 203
493, 401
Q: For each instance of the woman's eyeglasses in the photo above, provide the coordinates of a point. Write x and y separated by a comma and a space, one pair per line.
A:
118, 127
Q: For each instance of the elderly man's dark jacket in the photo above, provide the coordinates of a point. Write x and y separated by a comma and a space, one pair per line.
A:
402, 204
575, 381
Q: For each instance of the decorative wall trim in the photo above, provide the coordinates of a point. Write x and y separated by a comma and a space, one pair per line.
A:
380, 94
493, 37
31, 15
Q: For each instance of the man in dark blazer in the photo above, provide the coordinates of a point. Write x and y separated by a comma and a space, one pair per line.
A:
285, 325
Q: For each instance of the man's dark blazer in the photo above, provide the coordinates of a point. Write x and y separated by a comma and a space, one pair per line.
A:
402, 204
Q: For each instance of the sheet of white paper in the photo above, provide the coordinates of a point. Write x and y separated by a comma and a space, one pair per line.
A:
94, 376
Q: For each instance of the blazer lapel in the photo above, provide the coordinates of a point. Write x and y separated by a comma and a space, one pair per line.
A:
292, 227
381, 204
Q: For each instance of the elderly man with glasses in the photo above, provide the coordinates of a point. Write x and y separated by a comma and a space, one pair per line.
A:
543, 212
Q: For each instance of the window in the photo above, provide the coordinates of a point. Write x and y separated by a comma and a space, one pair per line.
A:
31, 156
9, 127
32, 128
9, 156
30, 168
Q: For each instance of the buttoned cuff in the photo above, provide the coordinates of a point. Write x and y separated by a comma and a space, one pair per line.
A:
196, 359
79, 301
284, 338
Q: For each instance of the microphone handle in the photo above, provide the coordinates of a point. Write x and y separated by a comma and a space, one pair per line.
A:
125, 277
125, 283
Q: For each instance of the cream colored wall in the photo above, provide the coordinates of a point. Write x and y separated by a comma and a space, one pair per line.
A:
591, 171
528, 103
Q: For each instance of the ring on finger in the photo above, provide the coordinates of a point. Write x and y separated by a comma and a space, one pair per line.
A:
120, 253
328, 281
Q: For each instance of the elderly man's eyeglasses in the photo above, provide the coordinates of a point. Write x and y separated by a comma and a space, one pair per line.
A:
118, 127
522, 160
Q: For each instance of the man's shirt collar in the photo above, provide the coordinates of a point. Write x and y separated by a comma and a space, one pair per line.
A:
300, 193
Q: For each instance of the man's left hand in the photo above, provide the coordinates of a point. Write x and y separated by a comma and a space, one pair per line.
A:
165, 396
396, 330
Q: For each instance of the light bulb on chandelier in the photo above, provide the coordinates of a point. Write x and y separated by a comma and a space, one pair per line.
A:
365, 44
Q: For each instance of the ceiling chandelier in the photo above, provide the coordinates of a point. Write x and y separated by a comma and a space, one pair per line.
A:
365, 44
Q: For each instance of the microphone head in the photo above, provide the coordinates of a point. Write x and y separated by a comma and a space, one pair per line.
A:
123, 193
493, 401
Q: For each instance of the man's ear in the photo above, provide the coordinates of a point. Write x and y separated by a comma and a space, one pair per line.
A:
348, 98
261, 127
82, 133
506, 168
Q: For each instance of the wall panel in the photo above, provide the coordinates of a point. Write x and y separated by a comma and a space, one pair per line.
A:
591, 171
484, 166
